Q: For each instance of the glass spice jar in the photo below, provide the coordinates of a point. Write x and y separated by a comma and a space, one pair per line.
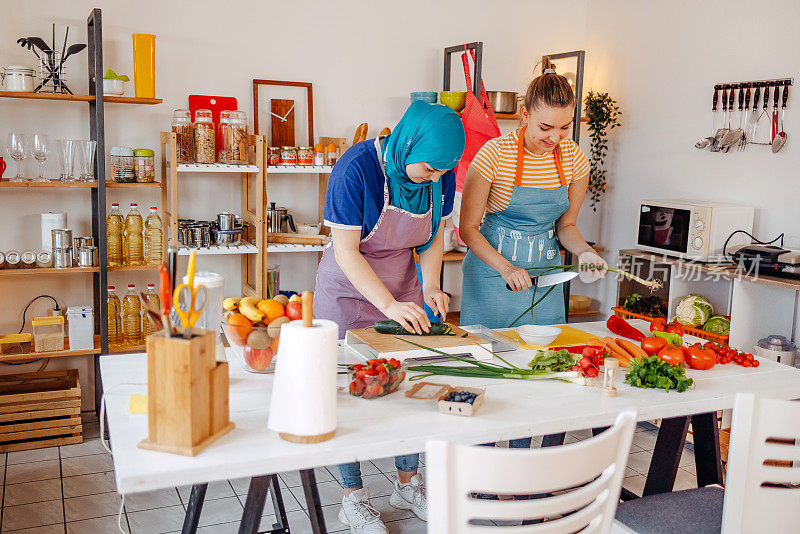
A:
204, 146
319, 155
223, 128
332, 155
288, 155
144, 165
305, 156
182, 126
122, 164
274, 156
236, 139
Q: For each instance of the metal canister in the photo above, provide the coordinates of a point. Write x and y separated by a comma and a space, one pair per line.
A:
81, 242
62, 238
87, 256
44, 259
226, 221
12, 259
62, 258
27, 259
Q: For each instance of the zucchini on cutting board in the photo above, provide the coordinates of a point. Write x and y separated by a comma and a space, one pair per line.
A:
370, 343
389, 326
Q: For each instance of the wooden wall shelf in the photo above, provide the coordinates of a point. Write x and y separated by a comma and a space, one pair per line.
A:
133, 185
37, 271
133, 268
52, 354
49, 183
79, 98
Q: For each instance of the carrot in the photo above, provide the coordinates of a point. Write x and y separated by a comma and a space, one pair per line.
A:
634, 349
617, 351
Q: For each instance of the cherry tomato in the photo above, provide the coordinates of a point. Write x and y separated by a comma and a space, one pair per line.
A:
671, 354
652, 345
756, 363
701, 359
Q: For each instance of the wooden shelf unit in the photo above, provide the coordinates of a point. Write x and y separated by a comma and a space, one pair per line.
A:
52, 354
49, 183
40, 271
252, 208
133, 185
123, 268
80, 98
126, 349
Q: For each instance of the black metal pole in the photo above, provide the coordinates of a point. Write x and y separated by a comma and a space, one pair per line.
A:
312, 501
708, 463
194, 508
666, 455
254, 505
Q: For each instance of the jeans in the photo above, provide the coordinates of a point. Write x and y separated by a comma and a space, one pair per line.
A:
351, 473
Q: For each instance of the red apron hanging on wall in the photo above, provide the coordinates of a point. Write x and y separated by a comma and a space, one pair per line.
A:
480, 125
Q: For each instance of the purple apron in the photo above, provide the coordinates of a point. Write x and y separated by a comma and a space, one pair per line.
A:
388, 250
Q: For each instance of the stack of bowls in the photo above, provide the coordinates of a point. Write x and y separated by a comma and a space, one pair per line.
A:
425, 96
453, 99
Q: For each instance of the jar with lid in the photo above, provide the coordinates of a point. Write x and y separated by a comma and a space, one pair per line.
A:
204, 132
236, 140
288, 155
18, 79
223, 130
27, 259
122, 164
319, 155
332, 155
144, 165
274, 156
2, 261
182, 126
12, 259
305, 156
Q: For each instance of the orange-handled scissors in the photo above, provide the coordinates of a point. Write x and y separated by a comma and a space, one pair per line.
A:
189, 301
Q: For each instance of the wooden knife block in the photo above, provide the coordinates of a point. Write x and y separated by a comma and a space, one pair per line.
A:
187, 394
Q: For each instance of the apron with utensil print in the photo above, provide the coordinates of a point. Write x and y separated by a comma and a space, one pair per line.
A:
388, 250
524, 233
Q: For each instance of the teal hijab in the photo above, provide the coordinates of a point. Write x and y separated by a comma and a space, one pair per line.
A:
427, 133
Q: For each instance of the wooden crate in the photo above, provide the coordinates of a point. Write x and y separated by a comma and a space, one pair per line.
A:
40, 410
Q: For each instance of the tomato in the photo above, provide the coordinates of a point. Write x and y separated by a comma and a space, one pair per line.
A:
675, 328
756, 363
658, 325
701, 359
686, 355
671, 354
652, 345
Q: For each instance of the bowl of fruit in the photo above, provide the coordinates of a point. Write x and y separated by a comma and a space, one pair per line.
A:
376, 378
253, 326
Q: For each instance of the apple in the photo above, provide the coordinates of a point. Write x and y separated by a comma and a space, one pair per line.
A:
258, 359
294, 310
295, 298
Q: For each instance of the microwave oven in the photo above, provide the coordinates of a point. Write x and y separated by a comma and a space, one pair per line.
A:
692, 230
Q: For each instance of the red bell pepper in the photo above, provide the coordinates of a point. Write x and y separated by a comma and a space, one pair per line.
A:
621, 327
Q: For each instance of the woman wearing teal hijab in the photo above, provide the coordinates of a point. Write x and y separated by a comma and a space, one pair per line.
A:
386, 198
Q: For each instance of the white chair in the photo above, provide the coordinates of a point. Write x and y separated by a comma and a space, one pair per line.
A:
759, 496
587, 477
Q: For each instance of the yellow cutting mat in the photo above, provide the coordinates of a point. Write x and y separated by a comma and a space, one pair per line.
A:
568, 336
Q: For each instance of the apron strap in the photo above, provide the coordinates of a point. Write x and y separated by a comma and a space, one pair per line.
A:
521, 158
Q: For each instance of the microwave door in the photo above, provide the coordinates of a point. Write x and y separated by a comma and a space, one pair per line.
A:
664, 229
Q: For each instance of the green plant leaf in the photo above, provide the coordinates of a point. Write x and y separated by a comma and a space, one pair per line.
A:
123, 78
110, 75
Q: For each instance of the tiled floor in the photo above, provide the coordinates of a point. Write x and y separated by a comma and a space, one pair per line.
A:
71, 490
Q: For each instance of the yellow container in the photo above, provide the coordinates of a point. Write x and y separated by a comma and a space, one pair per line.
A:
144, 65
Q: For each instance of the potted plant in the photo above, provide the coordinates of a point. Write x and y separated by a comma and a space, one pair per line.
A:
113, 83
602, 112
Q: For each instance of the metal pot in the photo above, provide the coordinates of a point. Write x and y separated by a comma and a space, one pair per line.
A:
503, 101
277, 219
227, 237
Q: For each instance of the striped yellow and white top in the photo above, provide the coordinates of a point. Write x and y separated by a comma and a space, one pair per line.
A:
497, 162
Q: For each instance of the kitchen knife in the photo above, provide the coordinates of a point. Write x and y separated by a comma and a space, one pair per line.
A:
547, 280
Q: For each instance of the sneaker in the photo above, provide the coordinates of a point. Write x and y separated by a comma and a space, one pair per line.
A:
411, 496
359, 515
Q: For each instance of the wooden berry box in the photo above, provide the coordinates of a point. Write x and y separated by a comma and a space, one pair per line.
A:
40, 410
461, 408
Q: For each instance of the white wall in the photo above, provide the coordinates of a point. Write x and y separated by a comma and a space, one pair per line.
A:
363, 58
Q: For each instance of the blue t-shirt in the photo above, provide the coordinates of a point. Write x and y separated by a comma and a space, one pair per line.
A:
355, 190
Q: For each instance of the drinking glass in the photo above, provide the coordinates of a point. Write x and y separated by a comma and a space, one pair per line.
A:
66, 156
40, 150
86, 150
17, 145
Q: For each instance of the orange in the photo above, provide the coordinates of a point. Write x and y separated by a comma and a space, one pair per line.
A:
239, 327
271, 308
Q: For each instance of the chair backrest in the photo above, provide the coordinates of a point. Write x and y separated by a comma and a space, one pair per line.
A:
762, 493
586, 477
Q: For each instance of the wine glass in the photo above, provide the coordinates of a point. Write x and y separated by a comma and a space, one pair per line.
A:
40, 150
66, 155
17, 145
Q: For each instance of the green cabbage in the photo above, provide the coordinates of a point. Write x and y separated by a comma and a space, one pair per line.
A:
693, 310
718, 324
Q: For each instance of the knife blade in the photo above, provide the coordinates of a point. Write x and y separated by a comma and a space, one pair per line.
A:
547, 280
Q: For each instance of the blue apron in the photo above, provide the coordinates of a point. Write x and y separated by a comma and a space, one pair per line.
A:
524, 233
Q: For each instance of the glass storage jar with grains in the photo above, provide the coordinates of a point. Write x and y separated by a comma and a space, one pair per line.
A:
122, 164
182, 126
224, 127
236, 139
204, 133
144, 165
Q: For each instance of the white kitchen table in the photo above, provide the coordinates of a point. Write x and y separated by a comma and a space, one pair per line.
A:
396, 425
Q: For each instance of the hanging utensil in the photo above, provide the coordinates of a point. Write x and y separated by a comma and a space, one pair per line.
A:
775, 98
715, 146
708, 141
743, 118
731, 135
751, 133
763, 110
781, 138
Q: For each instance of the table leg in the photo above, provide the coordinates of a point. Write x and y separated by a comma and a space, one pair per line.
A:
706, 449
193, 509
666, 455
312, 501
553, 440
254, 505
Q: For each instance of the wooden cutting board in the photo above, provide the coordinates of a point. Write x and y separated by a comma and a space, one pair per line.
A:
368, 342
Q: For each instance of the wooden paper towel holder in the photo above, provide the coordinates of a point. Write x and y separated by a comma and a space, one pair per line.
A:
308, 322
187, 394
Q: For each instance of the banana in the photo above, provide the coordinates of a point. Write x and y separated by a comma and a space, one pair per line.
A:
230, 303
247, 306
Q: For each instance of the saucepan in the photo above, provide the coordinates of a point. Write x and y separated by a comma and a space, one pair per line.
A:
503, 101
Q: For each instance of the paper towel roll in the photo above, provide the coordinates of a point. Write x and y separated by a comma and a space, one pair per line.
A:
304, 389
51, 221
